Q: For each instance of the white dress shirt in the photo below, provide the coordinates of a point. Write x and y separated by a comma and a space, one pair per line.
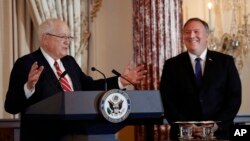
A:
202, 61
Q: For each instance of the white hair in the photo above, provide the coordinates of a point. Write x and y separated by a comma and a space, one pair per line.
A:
46, 27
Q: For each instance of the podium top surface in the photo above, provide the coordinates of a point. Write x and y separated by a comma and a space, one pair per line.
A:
86, 103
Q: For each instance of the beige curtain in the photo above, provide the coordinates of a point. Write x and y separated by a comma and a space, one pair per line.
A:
15, 27
73, 12
157, 36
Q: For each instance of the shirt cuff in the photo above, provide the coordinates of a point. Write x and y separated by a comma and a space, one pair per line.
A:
28, 93
120, 84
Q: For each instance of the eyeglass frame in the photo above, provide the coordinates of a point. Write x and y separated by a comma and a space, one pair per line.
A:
70, 38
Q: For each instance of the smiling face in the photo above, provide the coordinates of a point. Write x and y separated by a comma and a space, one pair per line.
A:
195, 36
54, 38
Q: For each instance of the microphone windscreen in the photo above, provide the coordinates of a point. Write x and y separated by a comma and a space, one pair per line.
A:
116, 73
63, 74
93, 68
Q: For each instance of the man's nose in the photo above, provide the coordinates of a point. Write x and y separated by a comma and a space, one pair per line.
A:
192, 34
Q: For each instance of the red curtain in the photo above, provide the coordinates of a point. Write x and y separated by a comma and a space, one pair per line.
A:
156, 37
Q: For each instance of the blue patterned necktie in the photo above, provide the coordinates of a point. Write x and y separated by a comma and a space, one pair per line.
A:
198, 72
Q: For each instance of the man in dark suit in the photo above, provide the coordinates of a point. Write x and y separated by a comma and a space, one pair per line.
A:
34, 76
204, 90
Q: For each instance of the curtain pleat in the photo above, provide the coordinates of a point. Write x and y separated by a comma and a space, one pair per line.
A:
85, 34
157, 36
156, 31
58, 5
64, 10
71, 25
34, 12
42, 9
77, 29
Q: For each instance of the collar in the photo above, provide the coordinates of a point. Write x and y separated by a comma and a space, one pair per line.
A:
50, 59
202, 56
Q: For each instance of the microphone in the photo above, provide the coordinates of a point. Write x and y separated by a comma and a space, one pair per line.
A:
94, 69
119, 75
62, 75
59, 79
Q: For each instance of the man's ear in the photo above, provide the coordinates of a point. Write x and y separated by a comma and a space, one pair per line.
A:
43, 40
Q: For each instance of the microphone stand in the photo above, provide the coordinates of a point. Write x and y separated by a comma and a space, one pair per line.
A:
119, 75
105, 79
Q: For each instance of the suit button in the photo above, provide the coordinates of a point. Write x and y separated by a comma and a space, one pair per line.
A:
201, 100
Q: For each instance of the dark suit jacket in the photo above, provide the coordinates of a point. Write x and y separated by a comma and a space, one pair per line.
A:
218, 99
48, 84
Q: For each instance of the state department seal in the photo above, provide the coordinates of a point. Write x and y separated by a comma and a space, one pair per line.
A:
115, 105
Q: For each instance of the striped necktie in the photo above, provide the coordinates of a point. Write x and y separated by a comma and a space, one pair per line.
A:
63, 81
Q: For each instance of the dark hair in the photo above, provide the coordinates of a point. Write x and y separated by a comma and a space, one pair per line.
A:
198, 20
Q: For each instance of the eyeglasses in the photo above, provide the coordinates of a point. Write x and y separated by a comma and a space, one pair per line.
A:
64, 38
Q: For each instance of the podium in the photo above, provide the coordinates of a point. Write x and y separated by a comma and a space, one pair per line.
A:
78, 116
